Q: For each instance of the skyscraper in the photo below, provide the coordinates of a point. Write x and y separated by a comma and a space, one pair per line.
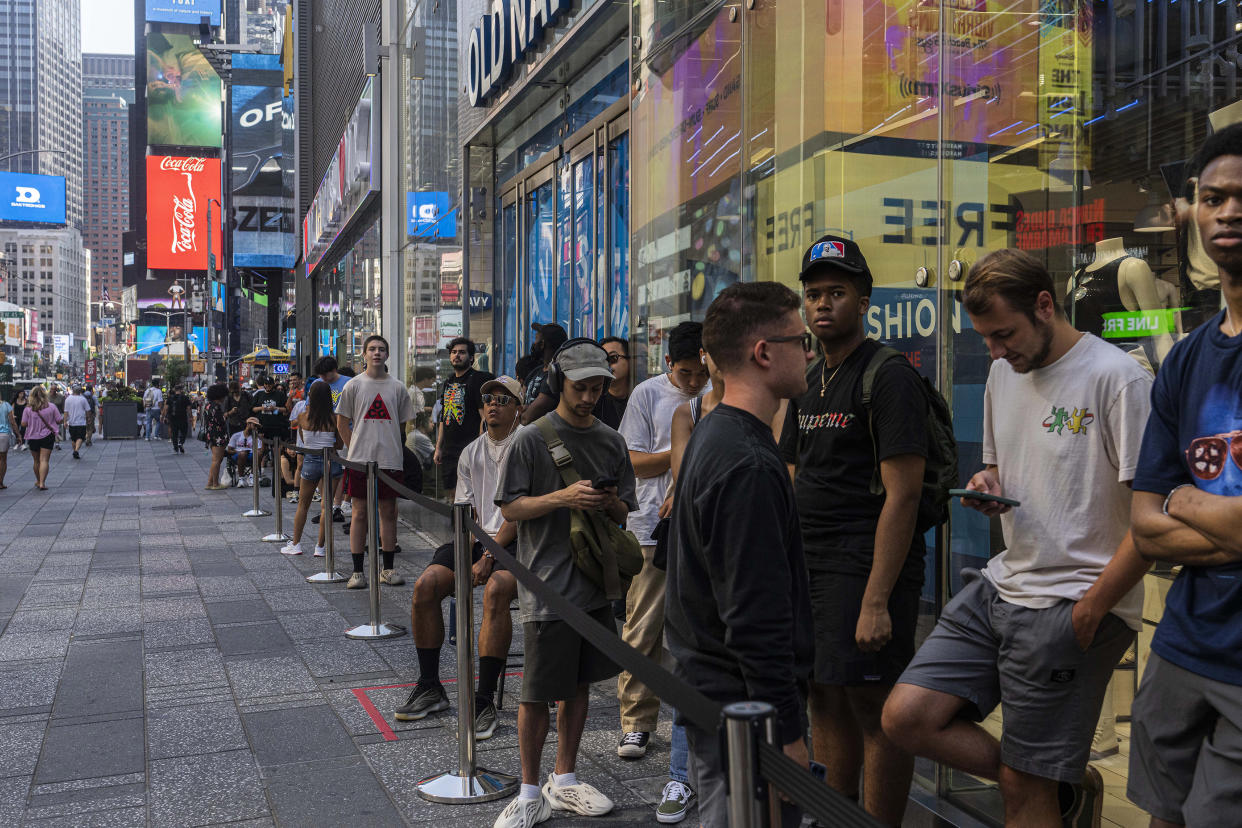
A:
107, 93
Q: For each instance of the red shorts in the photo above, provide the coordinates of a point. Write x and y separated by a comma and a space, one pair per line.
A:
356, 485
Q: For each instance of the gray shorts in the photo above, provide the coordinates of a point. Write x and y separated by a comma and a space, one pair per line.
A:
988, 651
1186, 748
6, 442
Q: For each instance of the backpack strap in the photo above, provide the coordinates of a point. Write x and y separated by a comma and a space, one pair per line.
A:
881, 357
561, 458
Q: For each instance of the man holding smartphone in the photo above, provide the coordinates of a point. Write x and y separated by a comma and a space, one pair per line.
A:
1040, 629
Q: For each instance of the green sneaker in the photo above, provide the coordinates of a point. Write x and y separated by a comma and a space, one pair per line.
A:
674, 802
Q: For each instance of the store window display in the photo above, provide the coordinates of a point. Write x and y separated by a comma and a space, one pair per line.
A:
1118, 297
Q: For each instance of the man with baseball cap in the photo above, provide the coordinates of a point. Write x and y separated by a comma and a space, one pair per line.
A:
478, 472
864, 558
560, 664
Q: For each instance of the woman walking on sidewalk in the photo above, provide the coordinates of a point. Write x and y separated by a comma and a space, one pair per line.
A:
42, 423
316, 430
215, 433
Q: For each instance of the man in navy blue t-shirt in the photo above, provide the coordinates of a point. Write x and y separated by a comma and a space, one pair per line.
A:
1186, 756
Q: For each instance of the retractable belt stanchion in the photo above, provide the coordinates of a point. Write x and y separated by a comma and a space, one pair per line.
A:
255, 459
329, 574
745, 726
470, 783
375, 628
278, 480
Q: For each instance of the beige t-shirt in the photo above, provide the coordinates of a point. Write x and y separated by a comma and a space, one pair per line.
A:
377, 408
1065, 440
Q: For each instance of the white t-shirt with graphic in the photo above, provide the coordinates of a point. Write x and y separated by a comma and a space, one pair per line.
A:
377, 408
478, 474
1065, 440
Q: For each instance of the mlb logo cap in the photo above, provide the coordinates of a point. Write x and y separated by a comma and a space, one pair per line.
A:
833, 252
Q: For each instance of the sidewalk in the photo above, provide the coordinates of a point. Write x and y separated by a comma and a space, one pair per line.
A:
159, 665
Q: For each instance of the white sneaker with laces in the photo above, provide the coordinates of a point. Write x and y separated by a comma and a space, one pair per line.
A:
520, 813
320, 551
291, 548
581, 799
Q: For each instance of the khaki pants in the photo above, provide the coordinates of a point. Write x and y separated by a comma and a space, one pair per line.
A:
644, 631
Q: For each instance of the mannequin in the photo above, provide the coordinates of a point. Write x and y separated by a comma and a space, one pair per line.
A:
1115, 281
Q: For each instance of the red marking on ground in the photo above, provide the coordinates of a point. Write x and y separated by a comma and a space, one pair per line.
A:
361, 694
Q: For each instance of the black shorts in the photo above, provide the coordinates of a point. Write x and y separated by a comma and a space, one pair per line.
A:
77, 432
836, 601
43, 443
558, 660
444, 556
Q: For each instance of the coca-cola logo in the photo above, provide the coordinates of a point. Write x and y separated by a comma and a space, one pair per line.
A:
184, 239
188, 165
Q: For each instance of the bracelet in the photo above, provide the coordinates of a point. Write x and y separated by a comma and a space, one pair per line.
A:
489, 555
1169, 497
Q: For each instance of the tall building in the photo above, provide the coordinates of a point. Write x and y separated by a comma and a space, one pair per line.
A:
48, 272
107, 93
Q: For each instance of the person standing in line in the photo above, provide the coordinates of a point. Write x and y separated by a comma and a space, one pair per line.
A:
864, 554
372, 414
648, 431
21, 401
316, 431
560, 664
479, 470
1041, 628
548, 340
737, 607
460, 410
325, 370
618, 349
215, 433
91, 416
152, 402
177, 417
41, 421
1186, 724
76, 411
8, 437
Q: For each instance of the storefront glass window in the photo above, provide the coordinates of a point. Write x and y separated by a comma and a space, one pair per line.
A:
565, 241
507, 294
583, 251
619, 215
541, 254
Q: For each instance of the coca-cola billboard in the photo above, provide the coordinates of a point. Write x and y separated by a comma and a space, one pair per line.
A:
178, 190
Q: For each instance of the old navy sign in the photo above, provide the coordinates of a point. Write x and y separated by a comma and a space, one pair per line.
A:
502, 38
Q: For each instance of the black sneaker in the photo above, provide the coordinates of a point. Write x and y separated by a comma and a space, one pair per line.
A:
423, 700
633, 745
315, 519
77, 456
1082, 805
484, 719
337, 517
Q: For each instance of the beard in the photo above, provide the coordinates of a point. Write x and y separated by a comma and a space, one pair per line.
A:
1040, 357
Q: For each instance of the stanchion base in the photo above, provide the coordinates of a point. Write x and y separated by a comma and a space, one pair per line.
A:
255, 513
380, 630
326, 578
451, 789
276, 537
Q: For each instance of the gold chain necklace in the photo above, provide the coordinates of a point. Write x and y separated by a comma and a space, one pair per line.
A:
823, 383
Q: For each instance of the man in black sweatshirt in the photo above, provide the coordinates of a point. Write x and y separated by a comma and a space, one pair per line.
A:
738, 610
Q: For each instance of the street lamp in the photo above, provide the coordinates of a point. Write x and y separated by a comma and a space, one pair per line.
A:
209, 313
31, 151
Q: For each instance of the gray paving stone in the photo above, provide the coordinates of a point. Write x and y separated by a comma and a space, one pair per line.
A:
305, 626
19, 748
233, 612
104, 621
330, 797
132, 817
256, 677
122, 596
100, 677
298, 734
58, 618
50, 595
15, 646
194, 730
13, 800
172, 609
202, 790
262, 637
185, 632
184, 667
340, 657
299, 599
164, 584
83, 751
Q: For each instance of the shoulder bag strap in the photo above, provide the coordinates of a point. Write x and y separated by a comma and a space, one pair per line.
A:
878, 360
561, 458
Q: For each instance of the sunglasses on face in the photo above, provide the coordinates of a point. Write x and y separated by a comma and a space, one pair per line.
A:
1206, 455
808, 341
613, 359
498, 399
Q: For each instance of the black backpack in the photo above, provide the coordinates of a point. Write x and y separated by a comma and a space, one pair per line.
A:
940, 473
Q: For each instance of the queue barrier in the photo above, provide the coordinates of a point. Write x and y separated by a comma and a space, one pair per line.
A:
278, 535
329, 574
256, 459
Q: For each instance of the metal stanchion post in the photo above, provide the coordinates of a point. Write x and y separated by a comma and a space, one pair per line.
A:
745, 725
279, 535
470, 783
255, 457
375, 628
329, 574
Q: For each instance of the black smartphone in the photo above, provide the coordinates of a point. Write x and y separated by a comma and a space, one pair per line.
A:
818, 770
604, 483
1008, 501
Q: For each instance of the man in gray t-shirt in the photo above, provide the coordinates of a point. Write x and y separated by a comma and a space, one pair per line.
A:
560, 664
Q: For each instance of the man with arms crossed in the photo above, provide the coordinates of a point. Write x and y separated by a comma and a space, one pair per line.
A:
560, 664
478, 472
371, 416
1041, 628
1186, 753
460, 410
737, 609
864, 557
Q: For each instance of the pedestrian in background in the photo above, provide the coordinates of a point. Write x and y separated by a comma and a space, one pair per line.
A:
177, 417
8, 437
92, 415
152, 402
215, 433
21, 400
618, 349
76, 411
41, 421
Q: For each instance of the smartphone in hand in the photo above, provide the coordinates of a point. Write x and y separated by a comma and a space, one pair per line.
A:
974, 495
604, 483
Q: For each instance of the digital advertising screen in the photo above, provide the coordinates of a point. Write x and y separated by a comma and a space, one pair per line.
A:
183, 11
27, 197
183, 94
263, 204
428, 215
178, 190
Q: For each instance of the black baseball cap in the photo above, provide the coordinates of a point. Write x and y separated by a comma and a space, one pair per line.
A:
839, 253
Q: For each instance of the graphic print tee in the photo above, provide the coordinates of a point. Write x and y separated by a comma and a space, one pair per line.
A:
460, 401
377, 408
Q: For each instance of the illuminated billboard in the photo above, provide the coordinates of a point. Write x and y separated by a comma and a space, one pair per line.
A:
183, 94
178, 190
262, 201
428, 215
183, 11
25, 197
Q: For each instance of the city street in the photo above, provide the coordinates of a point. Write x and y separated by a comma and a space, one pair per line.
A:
159, 665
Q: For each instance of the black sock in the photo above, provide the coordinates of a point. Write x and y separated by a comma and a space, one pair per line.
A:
428, 665
490, 668
388, 558
358, 562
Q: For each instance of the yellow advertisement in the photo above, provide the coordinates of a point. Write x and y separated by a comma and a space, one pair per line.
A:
1064, 84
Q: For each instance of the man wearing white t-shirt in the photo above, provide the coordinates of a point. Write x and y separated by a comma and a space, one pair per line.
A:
1041, 628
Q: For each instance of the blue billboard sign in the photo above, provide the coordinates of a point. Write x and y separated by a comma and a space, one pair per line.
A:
428, 215
27, 197
183, 11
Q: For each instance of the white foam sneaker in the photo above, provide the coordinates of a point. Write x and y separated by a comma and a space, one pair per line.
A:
520, 813
291, 548
581, 799
320, 551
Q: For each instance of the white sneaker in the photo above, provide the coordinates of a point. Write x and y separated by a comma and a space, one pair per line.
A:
320, 551
520, 813
347, 507
581, 799
291, 548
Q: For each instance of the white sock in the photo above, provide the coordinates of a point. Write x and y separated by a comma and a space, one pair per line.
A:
528, 792
560, 780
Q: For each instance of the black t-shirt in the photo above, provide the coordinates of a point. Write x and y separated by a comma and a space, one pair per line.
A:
178, 407
829, 440
460, 401
275, 421
534, 382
